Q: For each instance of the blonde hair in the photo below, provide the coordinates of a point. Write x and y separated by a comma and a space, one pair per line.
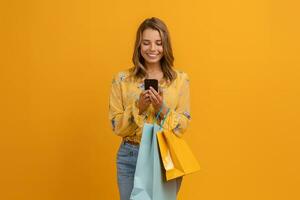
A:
139, 70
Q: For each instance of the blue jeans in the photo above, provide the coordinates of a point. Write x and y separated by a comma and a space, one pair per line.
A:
126, 162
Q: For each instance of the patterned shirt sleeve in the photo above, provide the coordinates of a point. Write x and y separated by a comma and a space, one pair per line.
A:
178, 119
124, 120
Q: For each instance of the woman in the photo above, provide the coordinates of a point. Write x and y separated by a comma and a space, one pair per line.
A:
130, 105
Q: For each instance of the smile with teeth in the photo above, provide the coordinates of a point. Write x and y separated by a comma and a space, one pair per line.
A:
152, 55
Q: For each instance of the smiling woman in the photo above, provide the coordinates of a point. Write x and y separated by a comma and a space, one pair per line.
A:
131, 105
151, 46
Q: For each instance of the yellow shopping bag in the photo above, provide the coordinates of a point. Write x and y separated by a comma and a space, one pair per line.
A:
178, 160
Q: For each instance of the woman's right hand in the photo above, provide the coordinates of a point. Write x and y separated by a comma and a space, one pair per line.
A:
144, 101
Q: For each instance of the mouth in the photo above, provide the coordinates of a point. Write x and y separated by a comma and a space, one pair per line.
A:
151, 55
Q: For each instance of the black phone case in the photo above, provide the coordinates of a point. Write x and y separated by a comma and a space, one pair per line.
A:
151, 82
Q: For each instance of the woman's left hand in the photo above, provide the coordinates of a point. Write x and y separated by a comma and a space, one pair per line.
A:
156, 98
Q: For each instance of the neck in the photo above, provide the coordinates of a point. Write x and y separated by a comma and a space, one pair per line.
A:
153, 67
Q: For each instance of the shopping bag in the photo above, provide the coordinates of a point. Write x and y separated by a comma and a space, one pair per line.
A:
178, 159
149, 178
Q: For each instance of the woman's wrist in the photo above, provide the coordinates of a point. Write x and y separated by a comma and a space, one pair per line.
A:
140, 111
163, 112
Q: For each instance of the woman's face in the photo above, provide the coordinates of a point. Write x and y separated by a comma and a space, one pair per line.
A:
151, 46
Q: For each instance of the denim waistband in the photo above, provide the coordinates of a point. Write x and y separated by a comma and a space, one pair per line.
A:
130, 145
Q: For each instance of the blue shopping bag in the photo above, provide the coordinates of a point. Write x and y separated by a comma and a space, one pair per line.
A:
149, 179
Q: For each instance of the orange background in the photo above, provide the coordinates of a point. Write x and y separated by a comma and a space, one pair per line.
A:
57, 62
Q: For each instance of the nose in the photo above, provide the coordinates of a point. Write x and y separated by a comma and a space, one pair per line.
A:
152, 47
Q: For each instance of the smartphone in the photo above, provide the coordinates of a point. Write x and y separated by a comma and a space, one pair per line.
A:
151, 82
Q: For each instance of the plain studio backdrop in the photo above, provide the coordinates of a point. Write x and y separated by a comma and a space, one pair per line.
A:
57, 59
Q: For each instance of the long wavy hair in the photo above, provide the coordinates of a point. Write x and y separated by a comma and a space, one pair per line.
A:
167, 60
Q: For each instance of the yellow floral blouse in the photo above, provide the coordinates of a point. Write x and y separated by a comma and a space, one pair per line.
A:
124, 113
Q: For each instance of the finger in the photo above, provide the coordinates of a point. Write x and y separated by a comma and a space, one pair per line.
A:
144, 92
153, 97
146, 97
151, 100
147, 93
148, 101
154, 91
158, 96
